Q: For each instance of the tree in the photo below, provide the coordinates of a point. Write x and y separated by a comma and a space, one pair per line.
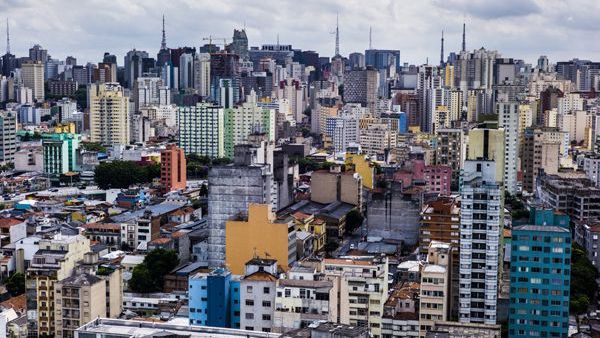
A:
149, 276
354, 220
122, 174
330, 247
583, 280
141, 280
15, 284
93, 146
579, 304
221, 161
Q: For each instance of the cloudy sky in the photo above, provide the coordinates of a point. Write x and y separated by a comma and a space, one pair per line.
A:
517, 28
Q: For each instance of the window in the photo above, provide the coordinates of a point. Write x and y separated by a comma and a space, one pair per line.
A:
249, 302
266, 303
249, 315
266, 317
249, 289
266, 290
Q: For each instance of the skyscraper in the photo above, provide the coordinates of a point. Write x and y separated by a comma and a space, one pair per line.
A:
8, 137
508, 119
109, 114
33, 78
201, 130
133, 66
202, 74
361, 86
540, 281
239, 44
481, 222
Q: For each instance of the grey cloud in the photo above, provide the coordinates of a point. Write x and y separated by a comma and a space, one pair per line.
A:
490, 9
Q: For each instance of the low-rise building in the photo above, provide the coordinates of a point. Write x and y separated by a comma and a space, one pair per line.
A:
257, 295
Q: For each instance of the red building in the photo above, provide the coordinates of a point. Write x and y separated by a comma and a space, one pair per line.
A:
172, 168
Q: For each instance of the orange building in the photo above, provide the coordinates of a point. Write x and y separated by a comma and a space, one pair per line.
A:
172, 169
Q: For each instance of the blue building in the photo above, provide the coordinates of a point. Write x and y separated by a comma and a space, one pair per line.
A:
540, 280
540, 216
214, 299
402, 123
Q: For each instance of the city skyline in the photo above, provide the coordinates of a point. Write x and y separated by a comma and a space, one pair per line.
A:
511, 27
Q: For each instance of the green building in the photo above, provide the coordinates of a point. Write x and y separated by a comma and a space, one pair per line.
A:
60, 152
244, 120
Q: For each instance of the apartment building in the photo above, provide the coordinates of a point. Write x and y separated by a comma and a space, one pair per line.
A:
109, 114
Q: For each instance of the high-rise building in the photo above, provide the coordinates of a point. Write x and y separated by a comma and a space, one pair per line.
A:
60, 153
294, 92
239, 44
508, 119
149, 91
540, 281
541, 150
8, 136
231, 190
246, 119
201, 130
106, 72
343, 131
186, 71
172, 168
33, 77
202, 74
133, 66
37, 53
487, 142
482, 214
382, 58
109, 114
357, 61
362, 86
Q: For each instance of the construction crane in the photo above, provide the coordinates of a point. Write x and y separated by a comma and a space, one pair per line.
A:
210, 39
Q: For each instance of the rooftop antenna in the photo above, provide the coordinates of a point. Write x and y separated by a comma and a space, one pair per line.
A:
337, 34
163, 43
7, 38
464, 45
442, 50
370, 38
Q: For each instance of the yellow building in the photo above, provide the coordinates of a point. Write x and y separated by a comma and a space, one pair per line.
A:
449, 76
488, 143
363, 167
68, 128
260, 233
315, 226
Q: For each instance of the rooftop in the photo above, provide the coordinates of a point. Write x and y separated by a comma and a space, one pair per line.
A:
541, 228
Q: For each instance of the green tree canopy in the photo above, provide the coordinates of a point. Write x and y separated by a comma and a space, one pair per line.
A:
15, 284
583, 280
149, 276
122, 174
354, 220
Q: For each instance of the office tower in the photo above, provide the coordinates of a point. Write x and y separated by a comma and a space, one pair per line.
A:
215, 298
38, 54
508, 119
52, 68
357, 61
343, 131
241, 121
53, 262
362, 86
259, 231
451, 151
150, 91
33, 77
78, 300
8, 136
541, 150
482, 214
133, 63
430, 94
109, 114
456, 105
186, 71
435, 287
231, 190
228, 93
201, 130
223, 66
60, 153
202, 74
540, 281
239, 44
548, 100
382, 58
172, 169
475, 70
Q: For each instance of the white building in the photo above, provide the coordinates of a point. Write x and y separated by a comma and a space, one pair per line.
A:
570, 102
8, 136
435, 287
481, 225
258, 289
508, 118
202, 74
